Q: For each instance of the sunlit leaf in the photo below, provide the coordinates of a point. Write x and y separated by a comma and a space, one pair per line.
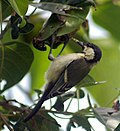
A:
106, 70
37, 21
38, 69
106, 15
15, 61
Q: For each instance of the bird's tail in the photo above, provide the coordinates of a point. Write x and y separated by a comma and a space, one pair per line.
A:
44, 97
36, 108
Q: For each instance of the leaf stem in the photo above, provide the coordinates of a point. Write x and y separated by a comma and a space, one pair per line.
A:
57, 112
69, 104
60, 117
78, 97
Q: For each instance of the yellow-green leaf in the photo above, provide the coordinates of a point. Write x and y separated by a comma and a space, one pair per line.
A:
20, 6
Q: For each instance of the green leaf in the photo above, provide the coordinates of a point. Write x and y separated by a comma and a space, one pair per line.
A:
52, 25
1, 125
59, 104
19, 126
67, 95
27, 28
64, 23
76, 3
38, 69
106, 15
80, 94
73, 23
20, 6
0, 13
88, 81
6, 9
80, 121
37, 21
57, 8
15, 61
42, 122
107, 70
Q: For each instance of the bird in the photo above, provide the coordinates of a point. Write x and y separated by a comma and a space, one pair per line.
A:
67, 71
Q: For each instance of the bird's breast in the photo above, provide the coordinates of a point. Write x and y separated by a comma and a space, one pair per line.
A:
59, 65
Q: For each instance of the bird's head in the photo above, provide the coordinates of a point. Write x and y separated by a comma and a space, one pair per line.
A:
91, 51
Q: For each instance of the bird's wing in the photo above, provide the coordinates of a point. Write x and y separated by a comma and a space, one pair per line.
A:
77, 70
71, 76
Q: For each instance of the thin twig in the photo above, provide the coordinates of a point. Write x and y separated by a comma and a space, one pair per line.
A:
34, 10
69, 104
5, 121
6, 105
60, 117
57, 112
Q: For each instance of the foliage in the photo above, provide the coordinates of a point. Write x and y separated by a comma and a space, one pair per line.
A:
25, 40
